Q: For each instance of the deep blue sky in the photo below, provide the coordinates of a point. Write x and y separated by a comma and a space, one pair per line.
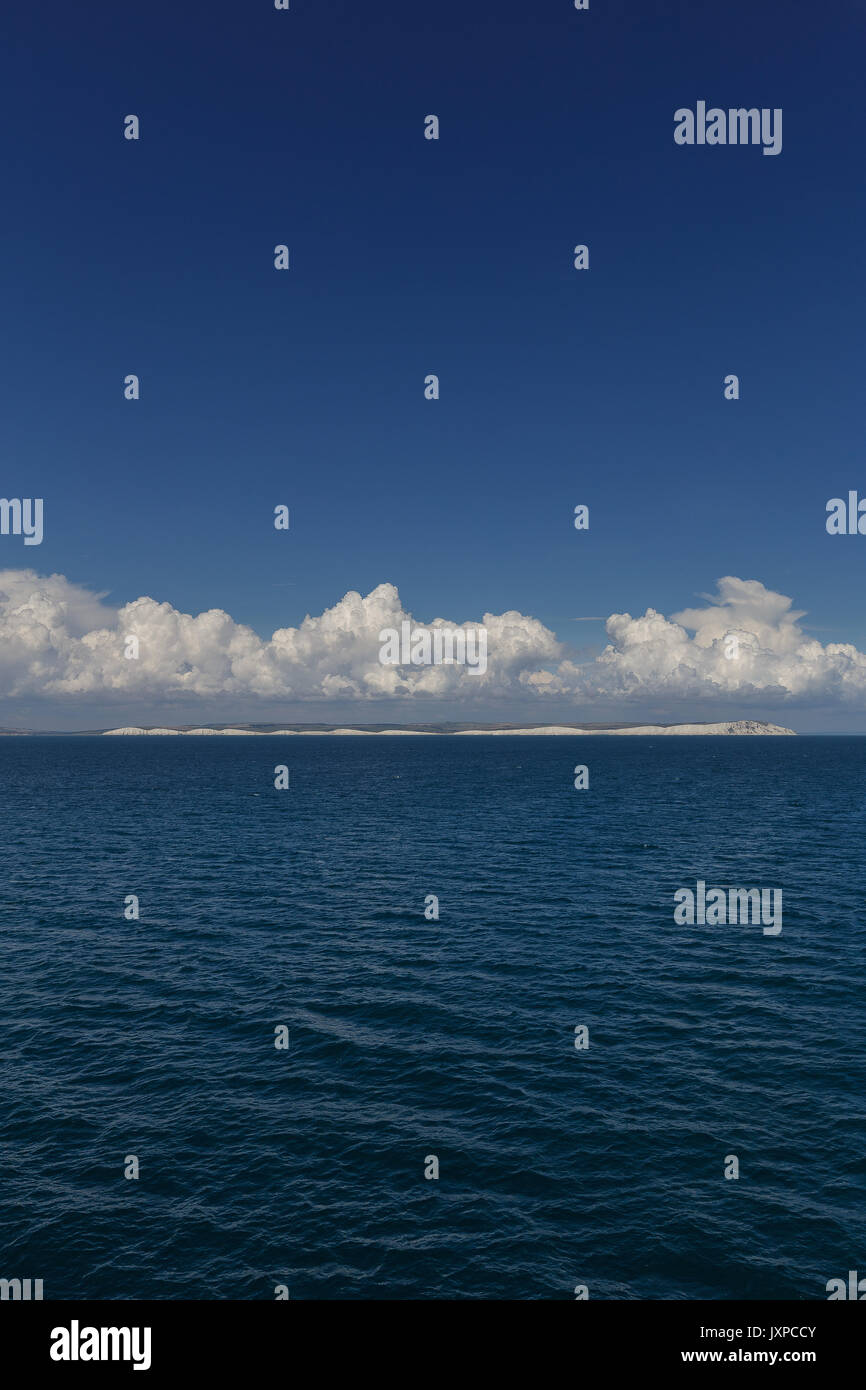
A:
454, 257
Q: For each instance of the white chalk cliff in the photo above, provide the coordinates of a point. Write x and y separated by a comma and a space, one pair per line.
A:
737, 726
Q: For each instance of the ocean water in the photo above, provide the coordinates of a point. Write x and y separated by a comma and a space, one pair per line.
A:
411, 1038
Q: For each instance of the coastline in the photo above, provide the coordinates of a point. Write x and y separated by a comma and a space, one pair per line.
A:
735, 728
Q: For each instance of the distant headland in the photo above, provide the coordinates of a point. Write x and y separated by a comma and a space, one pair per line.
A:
739, 726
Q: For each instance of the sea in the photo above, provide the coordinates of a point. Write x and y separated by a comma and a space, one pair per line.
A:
421, 1023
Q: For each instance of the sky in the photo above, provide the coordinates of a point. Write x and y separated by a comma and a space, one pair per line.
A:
409, 256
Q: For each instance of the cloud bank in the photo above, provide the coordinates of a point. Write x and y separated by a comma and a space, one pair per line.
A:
59, 640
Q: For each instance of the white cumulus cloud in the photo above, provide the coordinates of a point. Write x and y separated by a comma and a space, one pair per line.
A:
688, 656
58, 639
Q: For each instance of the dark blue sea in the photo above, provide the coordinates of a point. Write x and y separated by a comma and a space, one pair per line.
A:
411, 1038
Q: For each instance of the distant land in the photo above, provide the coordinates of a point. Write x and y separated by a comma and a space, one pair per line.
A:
725, 727
741, 726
